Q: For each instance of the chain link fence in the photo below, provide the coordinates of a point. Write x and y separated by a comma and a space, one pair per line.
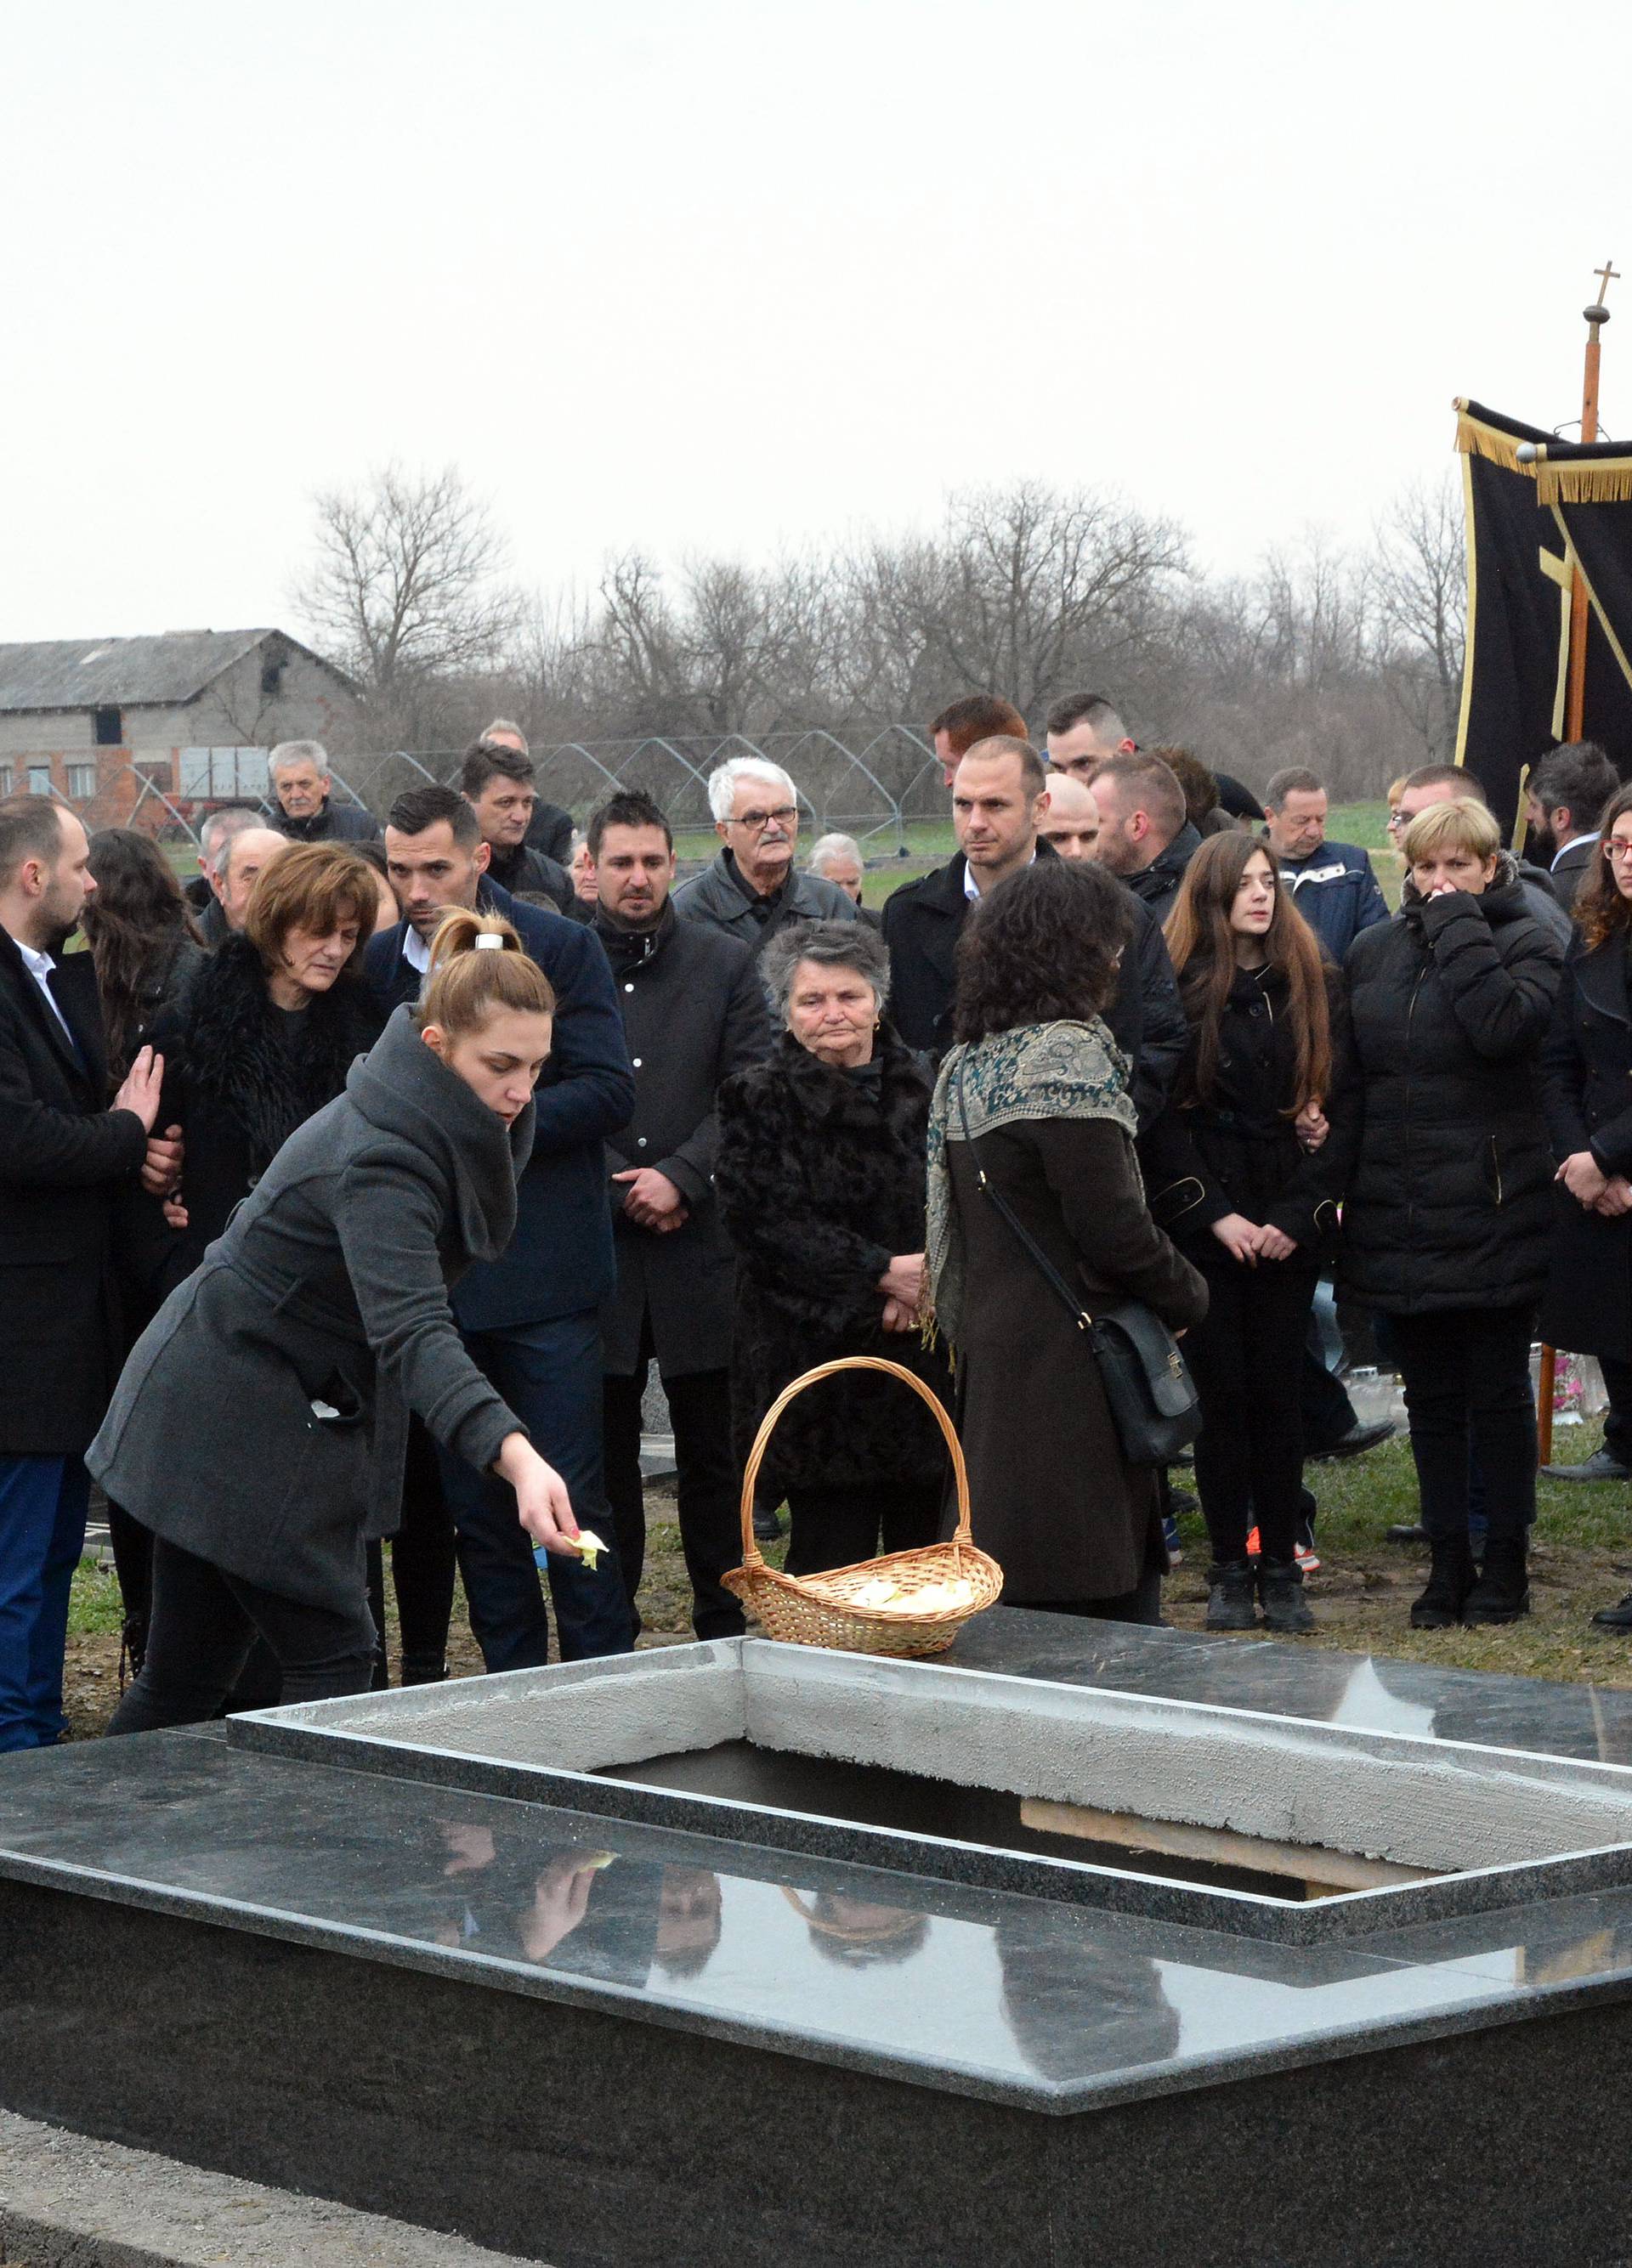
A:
875, 784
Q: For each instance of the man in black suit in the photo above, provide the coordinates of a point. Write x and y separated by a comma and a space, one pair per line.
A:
63, 1153
694, 1012
1565, 801
531, 1320
1000, 800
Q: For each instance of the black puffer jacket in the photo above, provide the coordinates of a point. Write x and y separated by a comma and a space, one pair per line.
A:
821, 1181
1445, 1168
1238, 1150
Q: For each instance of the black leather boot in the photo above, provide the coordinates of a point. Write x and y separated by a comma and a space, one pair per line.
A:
1502, 1591
1280, 1586
1232, 1597
1449, 1587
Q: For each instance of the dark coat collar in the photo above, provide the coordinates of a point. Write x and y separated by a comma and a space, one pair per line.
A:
834, 1100
1601, 977
75, 991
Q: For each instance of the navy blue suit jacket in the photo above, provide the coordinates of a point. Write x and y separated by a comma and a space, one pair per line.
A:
560, 1259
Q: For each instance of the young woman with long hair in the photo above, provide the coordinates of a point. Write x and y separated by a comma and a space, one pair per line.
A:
143, 942
259, 1426
1586, 1091
1234, 1182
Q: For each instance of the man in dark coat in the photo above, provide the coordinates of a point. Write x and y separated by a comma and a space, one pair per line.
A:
694, 1012
752, 890
1332, 883
1144, 835
549, 829
63, 1154
531, 1320
923, 921
497, 782
303, 807
1565, 801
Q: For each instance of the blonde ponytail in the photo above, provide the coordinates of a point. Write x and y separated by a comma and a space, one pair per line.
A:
478, 966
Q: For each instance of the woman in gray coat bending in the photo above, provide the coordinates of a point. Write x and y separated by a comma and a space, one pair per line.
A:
259, 1427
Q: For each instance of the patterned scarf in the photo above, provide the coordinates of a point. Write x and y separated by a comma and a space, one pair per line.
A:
1038, 1071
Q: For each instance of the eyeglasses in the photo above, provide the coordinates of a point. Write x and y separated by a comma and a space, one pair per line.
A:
1617, 848
756, 822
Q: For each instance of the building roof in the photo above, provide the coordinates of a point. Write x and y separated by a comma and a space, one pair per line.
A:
130, 672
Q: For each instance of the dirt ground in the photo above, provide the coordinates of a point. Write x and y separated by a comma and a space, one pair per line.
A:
1581, 1559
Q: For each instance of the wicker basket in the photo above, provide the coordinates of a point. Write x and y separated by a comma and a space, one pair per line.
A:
823, 1609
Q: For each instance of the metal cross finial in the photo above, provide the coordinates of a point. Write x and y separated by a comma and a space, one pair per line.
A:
1606, 275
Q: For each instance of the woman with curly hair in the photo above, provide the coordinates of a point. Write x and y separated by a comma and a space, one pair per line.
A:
1033, 1099
1586, 1091
1231, 1165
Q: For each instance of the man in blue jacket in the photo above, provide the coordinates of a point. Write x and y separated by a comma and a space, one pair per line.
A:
532, 1319
1332, 884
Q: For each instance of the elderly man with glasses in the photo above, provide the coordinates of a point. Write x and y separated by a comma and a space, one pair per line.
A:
751, 890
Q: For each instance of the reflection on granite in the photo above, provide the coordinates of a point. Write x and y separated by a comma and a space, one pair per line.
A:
1367, 1690
980, 1993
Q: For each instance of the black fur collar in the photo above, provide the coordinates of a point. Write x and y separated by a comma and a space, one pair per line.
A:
240, 1057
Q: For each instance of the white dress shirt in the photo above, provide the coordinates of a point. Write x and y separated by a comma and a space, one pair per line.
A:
40, 967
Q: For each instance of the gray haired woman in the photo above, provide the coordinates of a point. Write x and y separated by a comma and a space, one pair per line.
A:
821, 1184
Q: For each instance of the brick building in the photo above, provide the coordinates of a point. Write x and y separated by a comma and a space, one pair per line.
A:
115, 724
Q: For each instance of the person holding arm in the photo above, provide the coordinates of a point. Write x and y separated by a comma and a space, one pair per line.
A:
319, 1321
819, 1179
66, 1156
1034, 1096
1446, 1174
1586, 1091
1229, 1167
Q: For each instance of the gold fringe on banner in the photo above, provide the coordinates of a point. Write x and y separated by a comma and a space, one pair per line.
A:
1609, 479
1475, 438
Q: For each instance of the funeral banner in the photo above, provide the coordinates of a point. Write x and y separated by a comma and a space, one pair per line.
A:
1531, 520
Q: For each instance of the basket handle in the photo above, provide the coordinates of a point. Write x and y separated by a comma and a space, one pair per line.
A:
752, 1557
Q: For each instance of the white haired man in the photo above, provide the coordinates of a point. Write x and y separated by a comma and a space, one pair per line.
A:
751, 890
838, 858
303, 807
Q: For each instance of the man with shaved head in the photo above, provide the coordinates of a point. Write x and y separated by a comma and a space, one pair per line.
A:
1084, 731
1071, 823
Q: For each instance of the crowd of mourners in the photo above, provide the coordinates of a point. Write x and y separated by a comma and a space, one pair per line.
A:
353, 1191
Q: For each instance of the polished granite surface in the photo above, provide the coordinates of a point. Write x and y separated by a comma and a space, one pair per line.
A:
977, 1991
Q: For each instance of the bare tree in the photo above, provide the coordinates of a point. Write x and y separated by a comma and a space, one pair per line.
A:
1421, 596
405, 586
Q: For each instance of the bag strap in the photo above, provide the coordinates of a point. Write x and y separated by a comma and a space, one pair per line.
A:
1045, 1267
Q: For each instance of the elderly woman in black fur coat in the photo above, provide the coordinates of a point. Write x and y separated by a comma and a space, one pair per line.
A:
821, 1184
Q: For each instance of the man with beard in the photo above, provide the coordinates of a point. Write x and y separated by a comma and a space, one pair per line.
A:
63, 1154
1567, 792
694, 1012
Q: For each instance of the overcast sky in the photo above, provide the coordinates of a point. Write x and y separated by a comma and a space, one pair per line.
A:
705, 275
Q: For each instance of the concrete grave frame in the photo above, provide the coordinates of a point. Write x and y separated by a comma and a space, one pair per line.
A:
1495, 1828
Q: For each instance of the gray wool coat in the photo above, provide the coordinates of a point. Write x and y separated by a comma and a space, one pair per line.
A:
261, 1420
717, 897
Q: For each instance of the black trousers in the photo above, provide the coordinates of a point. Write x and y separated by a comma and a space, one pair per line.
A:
1328, 1411
711, 1533
1244, 1355
1618, 1416
1467, 1373
836, 1528
205, 1624
422, 1568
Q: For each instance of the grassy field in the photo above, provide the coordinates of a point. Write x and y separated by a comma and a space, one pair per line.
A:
1581, 1559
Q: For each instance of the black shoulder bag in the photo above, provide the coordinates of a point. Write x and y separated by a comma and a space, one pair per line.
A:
1150, 1389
